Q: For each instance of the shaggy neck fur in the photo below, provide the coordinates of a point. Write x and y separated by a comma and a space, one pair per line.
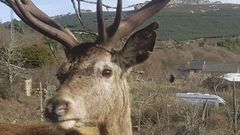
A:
119, 122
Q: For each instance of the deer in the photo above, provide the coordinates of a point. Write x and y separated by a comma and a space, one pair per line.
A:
94, 90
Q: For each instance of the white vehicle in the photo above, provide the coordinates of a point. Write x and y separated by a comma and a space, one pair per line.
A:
200, 99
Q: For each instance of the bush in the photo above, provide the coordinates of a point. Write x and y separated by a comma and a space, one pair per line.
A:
86, 38
215, 83
231, 45
36, 56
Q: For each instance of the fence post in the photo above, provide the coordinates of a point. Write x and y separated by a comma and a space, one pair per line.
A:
235, 108
41, 100
204, 110
28, 86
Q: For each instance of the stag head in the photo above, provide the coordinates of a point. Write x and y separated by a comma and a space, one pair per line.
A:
94, 90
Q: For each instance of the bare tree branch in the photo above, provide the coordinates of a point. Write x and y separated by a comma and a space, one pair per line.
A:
78, 13
14, 66
107, 6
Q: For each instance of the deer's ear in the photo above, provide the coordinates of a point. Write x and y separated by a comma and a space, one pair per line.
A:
139, 46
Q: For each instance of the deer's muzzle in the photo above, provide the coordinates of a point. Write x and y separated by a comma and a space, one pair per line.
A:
56, 109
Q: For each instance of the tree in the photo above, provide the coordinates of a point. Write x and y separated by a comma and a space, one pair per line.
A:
9, 60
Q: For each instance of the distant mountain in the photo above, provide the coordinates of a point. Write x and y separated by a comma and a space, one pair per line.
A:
184, 2
178, 22
194, 2
190, 2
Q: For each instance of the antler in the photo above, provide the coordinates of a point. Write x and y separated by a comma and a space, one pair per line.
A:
101, 25
133, 21
123, 28
114, 27
106, 34
38, 20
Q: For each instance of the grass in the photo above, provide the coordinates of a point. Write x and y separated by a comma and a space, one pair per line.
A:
152, 85
155, 110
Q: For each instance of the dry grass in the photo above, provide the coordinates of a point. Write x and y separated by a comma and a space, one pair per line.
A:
155, 111
154, 107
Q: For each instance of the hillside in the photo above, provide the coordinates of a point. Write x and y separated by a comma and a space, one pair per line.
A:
180, 22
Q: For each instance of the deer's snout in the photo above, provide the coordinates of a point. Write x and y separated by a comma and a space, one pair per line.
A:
56, 109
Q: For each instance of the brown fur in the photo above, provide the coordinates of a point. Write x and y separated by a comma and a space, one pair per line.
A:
109, 107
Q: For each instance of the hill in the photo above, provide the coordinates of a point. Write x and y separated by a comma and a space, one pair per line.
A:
180, 22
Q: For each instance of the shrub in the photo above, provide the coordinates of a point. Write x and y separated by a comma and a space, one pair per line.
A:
231, 45
36, 56
215, 83
87, 38
17, 26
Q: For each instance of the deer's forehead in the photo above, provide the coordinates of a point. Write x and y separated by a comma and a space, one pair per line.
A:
96, 58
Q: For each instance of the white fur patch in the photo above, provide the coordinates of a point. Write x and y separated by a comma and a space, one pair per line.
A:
67, 124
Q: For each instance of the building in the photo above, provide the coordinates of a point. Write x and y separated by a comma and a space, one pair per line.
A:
86, 11
190, 2
201, 66
197, 65
201, 69
217, 2
140, 5
219, 68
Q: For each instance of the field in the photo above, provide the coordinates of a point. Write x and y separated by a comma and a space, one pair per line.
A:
206, 34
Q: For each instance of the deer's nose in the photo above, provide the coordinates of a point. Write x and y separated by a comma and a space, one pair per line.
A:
56, 109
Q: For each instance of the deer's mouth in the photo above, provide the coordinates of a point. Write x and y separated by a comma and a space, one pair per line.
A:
67, 124
74, 123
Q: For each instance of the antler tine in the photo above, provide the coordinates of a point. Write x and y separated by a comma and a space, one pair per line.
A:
113, 28
101, 25
133, 21
5, 2
34, 17
37, 13
12, 4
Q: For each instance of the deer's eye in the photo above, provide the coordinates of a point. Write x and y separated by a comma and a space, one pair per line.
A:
107, 73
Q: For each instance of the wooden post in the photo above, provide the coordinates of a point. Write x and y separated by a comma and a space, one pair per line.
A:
204, 110
28, 86
235, 108
41, 100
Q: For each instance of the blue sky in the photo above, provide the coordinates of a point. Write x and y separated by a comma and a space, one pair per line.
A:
56, 7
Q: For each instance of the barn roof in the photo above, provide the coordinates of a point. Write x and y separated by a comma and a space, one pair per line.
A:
197, 64
221, 68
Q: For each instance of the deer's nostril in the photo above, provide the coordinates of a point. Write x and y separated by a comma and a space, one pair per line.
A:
61, 109
55, 110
